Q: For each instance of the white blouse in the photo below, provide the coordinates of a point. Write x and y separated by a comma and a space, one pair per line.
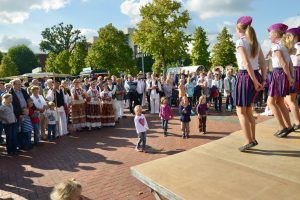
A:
284, 51
295, 60
254, 61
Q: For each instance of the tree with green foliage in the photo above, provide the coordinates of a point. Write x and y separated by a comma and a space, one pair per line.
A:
1, 56
8, 67
111, 52
77, 58
24, 58
223, 53
61, 62
50, 63
200, 53
60, 37
161, 31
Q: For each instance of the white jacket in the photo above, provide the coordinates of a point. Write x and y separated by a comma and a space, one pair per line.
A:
227, 86
140, 123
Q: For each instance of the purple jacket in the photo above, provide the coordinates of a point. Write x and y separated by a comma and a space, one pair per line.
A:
165, 112
202, 109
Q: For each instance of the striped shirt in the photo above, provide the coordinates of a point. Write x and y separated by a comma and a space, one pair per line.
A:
26, 124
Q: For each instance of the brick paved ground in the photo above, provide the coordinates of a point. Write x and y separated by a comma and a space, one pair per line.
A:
100, 160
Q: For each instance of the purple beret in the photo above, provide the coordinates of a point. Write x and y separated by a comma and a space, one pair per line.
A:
278, 27
294, 31
245, 20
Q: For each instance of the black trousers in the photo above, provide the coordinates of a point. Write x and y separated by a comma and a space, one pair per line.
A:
218, 103
202, 123
133, 99
139, 99
148, 100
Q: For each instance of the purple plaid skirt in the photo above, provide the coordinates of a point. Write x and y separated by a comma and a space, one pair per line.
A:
244, 93
279, 84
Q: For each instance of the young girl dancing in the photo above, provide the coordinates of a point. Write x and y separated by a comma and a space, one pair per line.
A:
281, 79
249, 58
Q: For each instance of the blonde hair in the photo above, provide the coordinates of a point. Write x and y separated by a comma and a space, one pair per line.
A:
201, 98
279, 33
5, 97
65, 190
288, 41
163, 99
35, 88
251, 38
51, 104
138, 108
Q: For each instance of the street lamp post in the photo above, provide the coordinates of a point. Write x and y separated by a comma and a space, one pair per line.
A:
143, 65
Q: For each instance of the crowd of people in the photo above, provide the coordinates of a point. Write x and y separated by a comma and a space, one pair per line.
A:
49, 109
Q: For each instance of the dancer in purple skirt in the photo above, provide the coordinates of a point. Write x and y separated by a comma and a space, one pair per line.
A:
249, 58
281, 79
292, 43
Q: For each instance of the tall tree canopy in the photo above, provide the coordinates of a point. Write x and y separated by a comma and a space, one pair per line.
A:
77, 58
60, 37
50, 63
161, 31
111, 52
200, 53
8, 67
1, 56
24, 58
223, 53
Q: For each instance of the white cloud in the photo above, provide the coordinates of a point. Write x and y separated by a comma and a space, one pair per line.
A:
131, 8
214, 8
19, 11
293, 22
13, 17
88, 33
266, 46
7, 42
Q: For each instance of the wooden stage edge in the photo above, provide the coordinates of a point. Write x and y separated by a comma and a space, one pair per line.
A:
217, 170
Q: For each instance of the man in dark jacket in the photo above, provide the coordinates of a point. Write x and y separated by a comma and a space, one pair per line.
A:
20, 98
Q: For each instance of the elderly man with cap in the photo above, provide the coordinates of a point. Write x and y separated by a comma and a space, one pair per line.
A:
141, 87
132, 95
56, 95
20, 98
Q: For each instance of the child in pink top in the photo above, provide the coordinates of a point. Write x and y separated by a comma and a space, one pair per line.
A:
165, 114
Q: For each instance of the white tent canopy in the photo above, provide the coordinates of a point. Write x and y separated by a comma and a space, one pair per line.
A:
191, 69
38, 75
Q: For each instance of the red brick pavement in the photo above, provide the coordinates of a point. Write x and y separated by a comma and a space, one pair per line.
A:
100, 160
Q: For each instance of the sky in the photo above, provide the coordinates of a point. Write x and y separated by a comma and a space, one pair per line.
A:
22, 21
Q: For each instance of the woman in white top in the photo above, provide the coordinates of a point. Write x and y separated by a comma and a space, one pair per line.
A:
217, 84
249, 58
281, 79
41, 105
292, 43
154, 87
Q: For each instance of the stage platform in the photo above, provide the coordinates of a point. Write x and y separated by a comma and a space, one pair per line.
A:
217, 170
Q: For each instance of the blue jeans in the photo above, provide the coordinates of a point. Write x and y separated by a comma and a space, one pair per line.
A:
20, 138
36, 133
51, 131
1, 130
11, 138
165, 125
142, 140
27, 139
